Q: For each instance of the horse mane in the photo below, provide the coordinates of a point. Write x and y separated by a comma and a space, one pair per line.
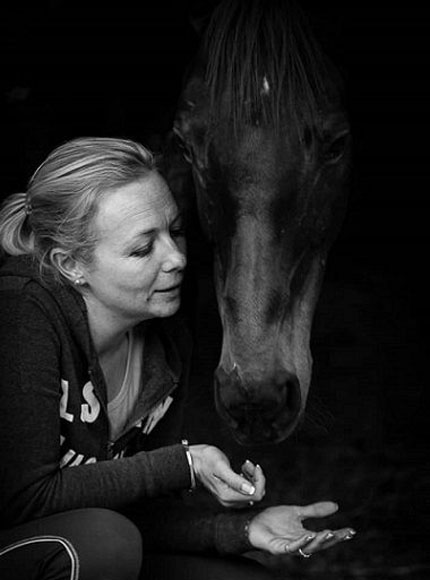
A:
251, 42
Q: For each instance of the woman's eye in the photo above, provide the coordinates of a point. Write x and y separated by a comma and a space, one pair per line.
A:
142, 252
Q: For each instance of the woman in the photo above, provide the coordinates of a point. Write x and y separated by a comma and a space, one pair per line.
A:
94, 359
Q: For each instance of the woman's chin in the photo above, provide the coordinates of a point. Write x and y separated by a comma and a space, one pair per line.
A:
168, 308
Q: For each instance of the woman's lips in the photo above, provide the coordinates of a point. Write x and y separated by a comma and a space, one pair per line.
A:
170, 288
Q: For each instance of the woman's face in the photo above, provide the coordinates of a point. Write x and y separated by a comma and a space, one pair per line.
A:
139, 258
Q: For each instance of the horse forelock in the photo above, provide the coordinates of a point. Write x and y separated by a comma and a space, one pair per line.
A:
263, 61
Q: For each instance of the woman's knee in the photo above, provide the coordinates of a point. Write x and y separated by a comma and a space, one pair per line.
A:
109, 546
45, 557
101, 544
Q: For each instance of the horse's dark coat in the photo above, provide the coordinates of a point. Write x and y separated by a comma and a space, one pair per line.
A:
262, 123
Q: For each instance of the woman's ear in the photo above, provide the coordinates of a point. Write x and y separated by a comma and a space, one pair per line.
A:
68, 266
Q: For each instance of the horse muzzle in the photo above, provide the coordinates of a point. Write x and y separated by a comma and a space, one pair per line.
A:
258, 411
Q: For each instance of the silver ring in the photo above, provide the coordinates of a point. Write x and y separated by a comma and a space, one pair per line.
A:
304, 554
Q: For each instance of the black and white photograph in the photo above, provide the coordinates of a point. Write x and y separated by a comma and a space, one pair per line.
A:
214, 294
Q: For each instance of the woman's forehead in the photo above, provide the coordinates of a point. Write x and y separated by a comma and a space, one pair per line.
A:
147, 197
136, 208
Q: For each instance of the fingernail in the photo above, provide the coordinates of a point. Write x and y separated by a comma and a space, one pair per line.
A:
310, 537
247, 488
328, 536
350, 535
249, 462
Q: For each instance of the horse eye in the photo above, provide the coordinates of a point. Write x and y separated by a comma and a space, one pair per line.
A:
335, 149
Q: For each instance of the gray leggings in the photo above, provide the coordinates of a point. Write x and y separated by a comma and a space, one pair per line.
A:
100, 544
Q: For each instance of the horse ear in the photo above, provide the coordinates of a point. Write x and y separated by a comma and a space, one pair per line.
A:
199, 14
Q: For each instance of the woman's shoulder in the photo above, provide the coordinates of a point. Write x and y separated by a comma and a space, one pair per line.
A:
19, 277
21, 283
15, 268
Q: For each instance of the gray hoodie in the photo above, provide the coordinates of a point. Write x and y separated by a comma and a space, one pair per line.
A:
54, 449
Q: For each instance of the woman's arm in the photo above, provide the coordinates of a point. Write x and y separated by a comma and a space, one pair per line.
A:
31, 481
191, 524
169, 525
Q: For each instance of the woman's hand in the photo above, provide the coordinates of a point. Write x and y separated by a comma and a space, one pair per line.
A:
212, 469
279, 530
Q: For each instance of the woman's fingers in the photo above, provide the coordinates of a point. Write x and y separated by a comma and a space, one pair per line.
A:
249, 488
327, 538
229, 482
301, 542
213, 470
255, 475
248, 470
314, 542
279, 545
322, 539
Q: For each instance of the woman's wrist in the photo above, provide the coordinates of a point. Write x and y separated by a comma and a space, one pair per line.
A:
246, 531
232, 535
196, 452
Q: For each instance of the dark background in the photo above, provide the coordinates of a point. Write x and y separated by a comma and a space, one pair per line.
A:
81, 68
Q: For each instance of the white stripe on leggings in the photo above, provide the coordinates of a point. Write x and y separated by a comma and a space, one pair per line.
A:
74, 560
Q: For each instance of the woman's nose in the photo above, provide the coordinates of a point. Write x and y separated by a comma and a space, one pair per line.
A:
175, 258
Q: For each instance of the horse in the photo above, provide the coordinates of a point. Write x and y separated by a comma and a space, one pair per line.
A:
261, 121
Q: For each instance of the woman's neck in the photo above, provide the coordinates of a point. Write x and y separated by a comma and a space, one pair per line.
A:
114, 366
107, 331
111, 341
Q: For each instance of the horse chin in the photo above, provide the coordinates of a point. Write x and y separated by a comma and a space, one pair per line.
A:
259, 421
251, 434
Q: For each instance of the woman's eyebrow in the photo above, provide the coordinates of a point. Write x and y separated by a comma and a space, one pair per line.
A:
143, 233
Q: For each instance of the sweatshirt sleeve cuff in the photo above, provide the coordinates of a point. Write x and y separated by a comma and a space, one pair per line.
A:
170, 468
231, 532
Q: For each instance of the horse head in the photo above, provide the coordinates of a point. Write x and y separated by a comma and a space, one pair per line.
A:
261, 121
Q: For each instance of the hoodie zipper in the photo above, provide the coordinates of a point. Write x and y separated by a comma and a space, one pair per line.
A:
135, 423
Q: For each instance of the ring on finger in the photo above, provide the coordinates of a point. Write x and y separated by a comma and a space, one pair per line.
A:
304, 554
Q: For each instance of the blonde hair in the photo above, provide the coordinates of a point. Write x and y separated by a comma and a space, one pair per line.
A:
63, 195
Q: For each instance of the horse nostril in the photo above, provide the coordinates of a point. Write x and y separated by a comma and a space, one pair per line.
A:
279, 402
259, 411
292, 394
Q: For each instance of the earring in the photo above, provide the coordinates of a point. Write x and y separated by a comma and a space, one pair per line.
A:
78, 282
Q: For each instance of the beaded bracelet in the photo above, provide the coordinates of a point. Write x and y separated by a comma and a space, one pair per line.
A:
190, 463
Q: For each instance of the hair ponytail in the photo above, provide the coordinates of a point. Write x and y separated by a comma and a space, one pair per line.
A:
15, 231
63, 196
